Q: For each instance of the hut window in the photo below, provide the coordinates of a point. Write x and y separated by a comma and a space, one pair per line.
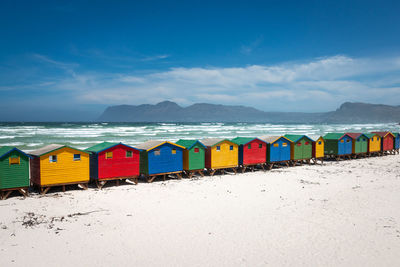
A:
196, 150
248, 146
259, 145
173, 151
157, 152
53, 158
109, 155
307, 143
218, 148
77, 157
364, 139
231, 147
284, 144
342, 141
358, 140
377, 138
298, 144
14, 161
276, 145
372, 139
319, 142
348, 141
129, 154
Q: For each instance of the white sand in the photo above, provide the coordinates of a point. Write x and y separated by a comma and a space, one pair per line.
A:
345, 213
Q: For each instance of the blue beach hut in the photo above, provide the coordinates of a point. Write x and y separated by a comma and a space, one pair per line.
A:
396, 142
278, 150
160, 158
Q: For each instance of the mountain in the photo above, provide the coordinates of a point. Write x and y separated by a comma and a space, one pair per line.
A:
168, 111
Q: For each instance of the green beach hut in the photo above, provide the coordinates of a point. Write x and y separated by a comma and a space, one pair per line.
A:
14, 171
301, 148
194, 156
360, 144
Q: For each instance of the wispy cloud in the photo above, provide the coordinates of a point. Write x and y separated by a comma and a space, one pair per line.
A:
249, 48
319, 84
156, 57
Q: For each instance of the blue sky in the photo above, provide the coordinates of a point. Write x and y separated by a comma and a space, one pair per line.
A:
69, 60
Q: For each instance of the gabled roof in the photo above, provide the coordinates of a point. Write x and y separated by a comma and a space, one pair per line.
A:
50, 148
5, 150
189, 143
104, 146
354, 135
245, 140
383, 134
214, 141
271, 139
296, 137
370, 135
315, 137
334, 136
149, 145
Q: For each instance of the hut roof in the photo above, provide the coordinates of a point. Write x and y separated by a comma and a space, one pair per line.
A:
149, 145
314, 137
354, 135
333, 136
244, 140
50, 148
211, 141
100, 147
189, 143
383, 134
370, 135
296, 137
271, 139
5, 150
104, 146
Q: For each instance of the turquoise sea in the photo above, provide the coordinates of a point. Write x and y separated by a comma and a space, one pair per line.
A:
29, 136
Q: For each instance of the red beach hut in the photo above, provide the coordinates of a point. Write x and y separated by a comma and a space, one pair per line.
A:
252, 152
113, 161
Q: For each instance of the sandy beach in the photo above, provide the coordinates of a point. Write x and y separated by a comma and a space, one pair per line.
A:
340, 214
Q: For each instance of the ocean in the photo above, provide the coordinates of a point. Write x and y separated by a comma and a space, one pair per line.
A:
30, 136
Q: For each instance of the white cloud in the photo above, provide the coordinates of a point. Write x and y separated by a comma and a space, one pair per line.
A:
320, 84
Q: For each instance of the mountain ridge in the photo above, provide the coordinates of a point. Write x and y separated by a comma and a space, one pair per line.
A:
168, 111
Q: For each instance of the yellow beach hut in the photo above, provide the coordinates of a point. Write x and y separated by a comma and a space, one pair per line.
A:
59, 165
318, 148
374, 144
221, 154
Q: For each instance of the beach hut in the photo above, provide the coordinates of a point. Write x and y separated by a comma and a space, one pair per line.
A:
387, 143
360, 144
278, 150
160, 158
338, 145
221, 154
194, 156
318, 148
396, 142
374, 144
300, 148
252, 152
59, 165
113, 161
14, 171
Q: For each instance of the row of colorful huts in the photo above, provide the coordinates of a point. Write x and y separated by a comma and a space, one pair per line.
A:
61, 165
